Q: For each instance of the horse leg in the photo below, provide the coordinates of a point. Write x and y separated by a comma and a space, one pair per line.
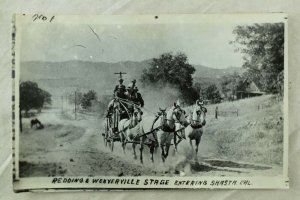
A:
155, 148
197, 142
162, 152
141, 150
134, 152
123, 146
191, 144
152, 147
123, 141
167, 150
175, 143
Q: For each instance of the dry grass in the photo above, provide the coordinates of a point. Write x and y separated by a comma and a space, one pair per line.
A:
256, 135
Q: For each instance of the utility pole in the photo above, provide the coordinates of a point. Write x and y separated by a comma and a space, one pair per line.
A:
75, 106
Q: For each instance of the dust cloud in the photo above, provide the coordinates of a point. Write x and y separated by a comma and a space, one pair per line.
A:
159, 96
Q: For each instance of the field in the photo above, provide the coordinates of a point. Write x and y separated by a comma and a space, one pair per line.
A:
248, 144
255, 135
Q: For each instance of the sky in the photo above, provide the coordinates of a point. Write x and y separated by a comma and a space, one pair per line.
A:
204, 44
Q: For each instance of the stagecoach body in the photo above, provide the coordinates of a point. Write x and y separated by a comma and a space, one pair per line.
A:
110, 134
118, 112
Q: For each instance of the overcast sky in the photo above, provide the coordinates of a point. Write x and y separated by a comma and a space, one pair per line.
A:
205, 44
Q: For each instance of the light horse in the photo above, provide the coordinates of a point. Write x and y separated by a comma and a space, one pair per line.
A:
127, 127
139, 136
159, 130
194, 130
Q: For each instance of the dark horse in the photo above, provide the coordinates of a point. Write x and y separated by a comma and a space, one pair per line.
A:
36, 123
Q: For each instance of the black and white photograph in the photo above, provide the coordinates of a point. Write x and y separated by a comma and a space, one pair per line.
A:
182, 101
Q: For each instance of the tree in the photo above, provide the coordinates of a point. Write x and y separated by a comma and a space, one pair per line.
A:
198, 87
230, 84
32, 97
172, 69
212, 93
86, 101
263, 49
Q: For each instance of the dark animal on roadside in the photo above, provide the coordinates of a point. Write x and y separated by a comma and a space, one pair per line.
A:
36, 123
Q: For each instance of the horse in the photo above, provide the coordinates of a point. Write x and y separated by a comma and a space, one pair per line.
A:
36, 123
126, 126
159, 131
194, 130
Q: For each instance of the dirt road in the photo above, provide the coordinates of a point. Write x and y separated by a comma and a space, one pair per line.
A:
68, 147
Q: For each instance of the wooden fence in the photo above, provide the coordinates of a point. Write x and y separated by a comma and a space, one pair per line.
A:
225, 113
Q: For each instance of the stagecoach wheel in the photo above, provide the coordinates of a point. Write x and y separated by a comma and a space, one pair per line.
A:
103, 136
111, 139
105, 139
112, 145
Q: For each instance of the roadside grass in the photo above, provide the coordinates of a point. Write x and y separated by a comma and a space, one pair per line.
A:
35, 142
255, 135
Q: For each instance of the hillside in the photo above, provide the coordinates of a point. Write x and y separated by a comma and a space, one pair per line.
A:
62, 78
207, 76
72, 71
79, 74
258, 128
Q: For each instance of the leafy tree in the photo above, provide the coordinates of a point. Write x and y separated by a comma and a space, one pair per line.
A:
172, 69
32, 97
263, 49
86, 101
230, 84
212, 93
198, 87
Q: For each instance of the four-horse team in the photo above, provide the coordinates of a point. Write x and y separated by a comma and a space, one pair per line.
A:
125, 123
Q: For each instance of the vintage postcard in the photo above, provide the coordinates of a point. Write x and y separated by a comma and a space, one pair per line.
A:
150, 102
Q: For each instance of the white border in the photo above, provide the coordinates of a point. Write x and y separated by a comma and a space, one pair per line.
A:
262, 182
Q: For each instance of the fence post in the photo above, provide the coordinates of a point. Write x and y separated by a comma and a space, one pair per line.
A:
237, 112
216, 113
75, 107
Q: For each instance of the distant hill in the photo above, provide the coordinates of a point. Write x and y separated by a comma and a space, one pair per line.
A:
62, 77
65, 76
207, 76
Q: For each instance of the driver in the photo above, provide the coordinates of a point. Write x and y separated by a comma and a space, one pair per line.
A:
120, 89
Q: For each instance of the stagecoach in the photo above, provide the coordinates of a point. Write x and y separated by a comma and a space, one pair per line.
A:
157, 130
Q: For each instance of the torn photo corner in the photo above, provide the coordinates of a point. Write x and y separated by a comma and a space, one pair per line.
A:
150, 102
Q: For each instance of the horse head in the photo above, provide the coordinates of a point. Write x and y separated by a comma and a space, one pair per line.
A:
198, 115
162, 114
177, 114
137, 113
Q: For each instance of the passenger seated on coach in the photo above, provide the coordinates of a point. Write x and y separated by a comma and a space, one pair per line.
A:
137, 97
